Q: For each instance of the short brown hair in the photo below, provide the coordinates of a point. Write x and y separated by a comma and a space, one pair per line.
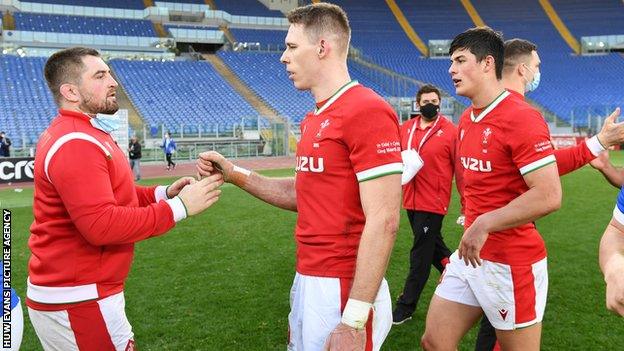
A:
65, 66
425, 89
322, 18
515, 50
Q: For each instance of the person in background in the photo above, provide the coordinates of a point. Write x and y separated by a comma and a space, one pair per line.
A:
169, 148
5, 144
134, 152
426, 196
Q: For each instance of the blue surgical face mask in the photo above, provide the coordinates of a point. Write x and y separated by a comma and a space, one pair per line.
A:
532, 85
106, 123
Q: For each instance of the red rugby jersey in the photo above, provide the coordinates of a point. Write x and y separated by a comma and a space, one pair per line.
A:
88, 214
352, 138
505, 141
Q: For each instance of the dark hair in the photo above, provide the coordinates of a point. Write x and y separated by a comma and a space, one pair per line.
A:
516, 49
482, 42
425, 89
322, 18
65, 66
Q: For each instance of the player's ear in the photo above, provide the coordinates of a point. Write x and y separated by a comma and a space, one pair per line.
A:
70, 92
489, 64
323, 48
521, 70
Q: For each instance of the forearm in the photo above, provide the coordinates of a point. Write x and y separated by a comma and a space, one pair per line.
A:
279, 192
147, 194
611, 254
526, 208
573, 158
613, 175
373, 256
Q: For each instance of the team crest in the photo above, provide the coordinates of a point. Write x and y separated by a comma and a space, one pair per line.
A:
324, 125
486, 135
440, 132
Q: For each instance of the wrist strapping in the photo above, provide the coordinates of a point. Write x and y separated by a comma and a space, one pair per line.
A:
238, 176
356, 313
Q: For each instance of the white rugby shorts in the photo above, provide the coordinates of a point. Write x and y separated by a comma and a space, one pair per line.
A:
511, 296
98, 326
316, 305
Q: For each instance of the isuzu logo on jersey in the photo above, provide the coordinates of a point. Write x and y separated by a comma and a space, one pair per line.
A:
477, 165
309, 164
17, 170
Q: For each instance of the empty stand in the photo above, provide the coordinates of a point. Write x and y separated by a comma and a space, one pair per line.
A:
187, 93
26, 105
83, 25
590, 18
263, 36
246, 8
126, 4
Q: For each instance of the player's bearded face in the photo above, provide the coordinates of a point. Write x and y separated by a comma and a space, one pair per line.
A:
97, 88
93, 104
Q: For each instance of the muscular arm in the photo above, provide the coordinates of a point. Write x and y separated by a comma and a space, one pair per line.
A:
279, 192
611, 259
615, 176
97, 216
381, 201
542, 198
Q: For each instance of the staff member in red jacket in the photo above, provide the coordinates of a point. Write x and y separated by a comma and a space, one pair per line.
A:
426, 196
89, 213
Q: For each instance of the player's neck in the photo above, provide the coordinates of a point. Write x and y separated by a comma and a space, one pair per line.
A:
486, 95
330, 82
513, 83
74, 107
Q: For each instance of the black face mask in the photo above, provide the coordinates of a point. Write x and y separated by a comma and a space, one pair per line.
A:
429, 111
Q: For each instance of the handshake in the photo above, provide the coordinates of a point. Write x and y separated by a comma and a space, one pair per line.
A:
197, 194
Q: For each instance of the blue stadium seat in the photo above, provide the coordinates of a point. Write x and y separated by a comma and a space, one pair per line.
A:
246, 8
83, 25
27, 106
263, 36
181, 93
126, 4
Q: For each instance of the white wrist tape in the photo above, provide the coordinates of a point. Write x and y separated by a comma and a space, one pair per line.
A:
594, 145
242, 170
356, 313
238, 176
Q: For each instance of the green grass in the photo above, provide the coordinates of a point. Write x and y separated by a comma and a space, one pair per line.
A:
221, 280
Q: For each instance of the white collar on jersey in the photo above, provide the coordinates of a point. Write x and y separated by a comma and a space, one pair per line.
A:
351, 84
489, 107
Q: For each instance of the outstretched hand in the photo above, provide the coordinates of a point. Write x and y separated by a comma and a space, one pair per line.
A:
612, 133
202, 194
175, 188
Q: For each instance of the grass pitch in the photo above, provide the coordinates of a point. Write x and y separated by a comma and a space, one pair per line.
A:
221, 280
